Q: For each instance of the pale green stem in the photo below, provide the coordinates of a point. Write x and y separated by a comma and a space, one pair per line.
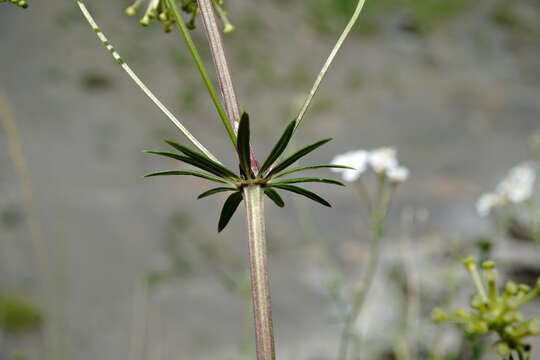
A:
377, 217
328, 63
260, 285
202, 70
141, 85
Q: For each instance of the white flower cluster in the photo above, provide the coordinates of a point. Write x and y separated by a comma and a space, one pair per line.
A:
382, 161
516, 187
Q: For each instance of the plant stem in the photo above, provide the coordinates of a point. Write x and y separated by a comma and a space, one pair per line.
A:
222, 69
329, 61
378, 215
202, 70
220, 61
139, 82
361, 294
260, 286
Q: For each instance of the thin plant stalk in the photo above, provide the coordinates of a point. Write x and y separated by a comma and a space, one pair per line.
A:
359, 298
227, 120
412, 282
140, 83
253, 196
329, 61
220, 60
260, 285
223, 71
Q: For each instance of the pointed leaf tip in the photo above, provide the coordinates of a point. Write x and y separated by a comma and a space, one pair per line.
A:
304, 192
229, 208
279, 148
275, 197
312, 167
186, 172
306, 179
215, 191
297, 155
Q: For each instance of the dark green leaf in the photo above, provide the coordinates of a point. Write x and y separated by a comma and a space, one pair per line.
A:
192, 173
274, 196
304, 180
278, 149
302, 168
242, 145
216, 170
297, 155
230, 206
215, 191
304, 192
201, 158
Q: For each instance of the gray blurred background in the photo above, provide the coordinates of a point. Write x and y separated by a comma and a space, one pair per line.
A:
130, 268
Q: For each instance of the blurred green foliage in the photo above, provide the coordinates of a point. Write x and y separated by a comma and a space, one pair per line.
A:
18, 314
420, 15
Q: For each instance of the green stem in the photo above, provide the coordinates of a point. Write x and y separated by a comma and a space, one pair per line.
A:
202, 71
377, 217
139, 82
260, 285
361, 294
329, 61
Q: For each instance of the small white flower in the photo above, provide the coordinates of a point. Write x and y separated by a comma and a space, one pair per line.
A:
356, 159
382, 160
518, 186
398, 174
487, 202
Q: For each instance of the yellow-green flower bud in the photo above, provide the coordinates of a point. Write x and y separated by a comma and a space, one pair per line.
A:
131, 11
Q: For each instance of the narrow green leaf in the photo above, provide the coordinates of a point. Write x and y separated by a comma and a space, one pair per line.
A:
304, 192
274, 196
312, 167
306, 179
279, 148
201, 158
230, 206
215, 191
182, 172
297, 155
218, 171
242, 145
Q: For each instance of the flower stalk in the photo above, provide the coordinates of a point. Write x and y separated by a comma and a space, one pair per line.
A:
223, 70
258, 263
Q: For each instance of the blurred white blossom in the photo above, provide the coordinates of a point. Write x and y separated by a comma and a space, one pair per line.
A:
398, 174
383, 160
516, 187
356, 159
487, 202
519, 184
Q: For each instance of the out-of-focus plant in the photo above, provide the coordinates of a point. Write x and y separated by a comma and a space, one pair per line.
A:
496, 312
388, 174
18, 314
159, 10
513, 206
21, 3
